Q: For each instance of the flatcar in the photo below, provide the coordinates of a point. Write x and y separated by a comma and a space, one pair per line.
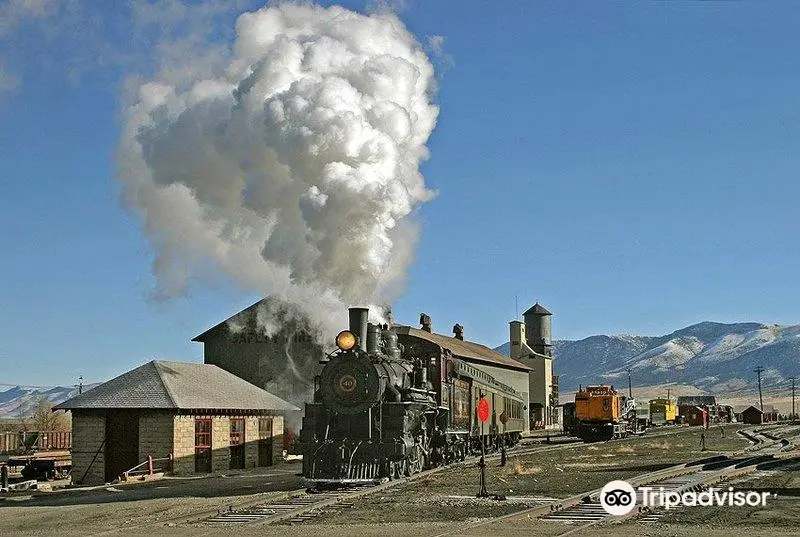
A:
383, 409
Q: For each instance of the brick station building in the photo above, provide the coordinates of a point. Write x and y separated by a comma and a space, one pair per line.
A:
204, 418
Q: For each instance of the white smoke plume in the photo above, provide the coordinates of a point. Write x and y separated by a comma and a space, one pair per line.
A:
290, 161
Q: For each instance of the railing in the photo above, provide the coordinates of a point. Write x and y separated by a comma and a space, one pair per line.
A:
22, 442
149, 467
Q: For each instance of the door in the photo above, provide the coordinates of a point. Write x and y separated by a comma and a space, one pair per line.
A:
202, 445
265, 441
237, 443
122, 443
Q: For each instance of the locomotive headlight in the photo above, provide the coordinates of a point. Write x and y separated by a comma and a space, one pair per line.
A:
346, 340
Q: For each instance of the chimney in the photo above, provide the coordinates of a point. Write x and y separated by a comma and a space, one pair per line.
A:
516, 338
426, 323
458, 332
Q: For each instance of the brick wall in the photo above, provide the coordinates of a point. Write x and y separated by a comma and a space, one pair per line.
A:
88, 433
277, 438
251, 442
155, 434
183, 445
220, 444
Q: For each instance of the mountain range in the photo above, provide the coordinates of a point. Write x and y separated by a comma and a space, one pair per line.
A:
713, 357
20, 401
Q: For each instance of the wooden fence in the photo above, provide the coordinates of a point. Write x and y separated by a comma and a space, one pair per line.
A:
13, 443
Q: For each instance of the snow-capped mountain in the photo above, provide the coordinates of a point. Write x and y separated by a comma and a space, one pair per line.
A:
714, 357
20, 401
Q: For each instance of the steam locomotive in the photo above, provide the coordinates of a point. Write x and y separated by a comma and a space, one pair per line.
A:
389, 404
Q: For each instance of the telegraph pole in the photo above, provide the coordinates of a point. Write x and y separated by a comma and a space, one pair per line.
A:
792, 418
630, 389
759, 370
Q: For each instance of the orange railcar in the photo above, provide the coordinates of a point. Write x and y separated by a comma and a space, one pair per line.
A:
602, 414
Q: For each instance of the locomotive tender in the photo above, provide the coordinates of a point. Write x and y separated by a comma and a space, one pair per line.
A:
389, 403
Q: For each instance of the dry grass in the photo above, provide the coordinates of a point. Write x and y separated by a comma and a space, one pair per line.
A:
658, 445
624, 449
518, 468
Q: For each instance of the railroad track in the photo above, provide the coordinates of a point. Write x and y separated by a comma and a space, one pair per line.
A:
584, 510
299, 506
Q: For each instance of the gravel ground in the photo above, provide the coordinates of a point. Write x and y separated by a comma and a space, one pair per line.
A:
440, 504
440, 497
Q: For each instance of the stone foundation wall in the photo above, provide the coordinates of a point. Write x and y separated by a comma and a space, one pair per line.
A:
88, 457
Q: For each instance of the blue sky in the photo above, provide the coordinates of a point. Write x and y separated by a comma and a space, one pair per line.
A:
633, 167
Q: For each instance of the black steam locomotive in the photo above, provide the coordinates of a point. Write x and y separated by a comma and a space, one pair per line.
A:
389, 404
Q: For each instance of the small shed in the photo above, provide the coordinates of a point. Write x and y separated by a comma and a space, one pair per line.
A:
694, 415
200, 416
752, 415
770, 414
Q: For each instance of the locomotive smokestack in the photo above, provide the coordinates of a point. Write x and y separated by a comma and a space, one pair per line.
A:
358, 325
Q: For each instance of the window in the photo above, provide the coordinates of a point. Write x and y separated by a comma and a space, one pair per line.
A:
237, 431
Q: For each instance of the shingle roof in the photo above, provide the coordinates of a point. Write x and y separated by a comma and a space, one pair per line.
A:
177, 385
538, 309
465, 349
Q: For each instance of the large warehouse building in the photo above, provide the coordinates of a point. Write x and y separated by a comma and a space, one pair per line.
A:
284, 360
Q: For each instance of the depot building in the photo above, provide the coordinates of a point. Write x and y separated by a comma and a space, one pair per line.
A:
191, 418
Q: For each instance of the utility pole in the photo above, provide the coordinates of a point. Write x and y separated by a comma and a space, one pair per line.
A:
630, 389
792, 417
668, 399
759, 370
80, 385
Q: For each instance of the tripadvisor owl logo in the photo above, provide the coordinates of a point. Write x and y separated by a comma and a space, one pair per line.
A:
618, 498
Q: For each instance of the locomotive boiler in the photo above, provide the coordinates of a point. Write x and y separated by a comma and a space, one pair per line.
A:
383, 409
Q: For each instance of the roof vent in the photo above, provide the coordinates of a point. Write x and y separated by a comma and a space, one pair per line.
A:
426, 323
458, 332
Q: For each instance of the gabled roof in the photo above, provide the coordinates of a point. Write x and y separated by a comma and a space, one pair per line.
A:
697, 400
537, 309
464, 349
177, 385
240, 318
251, 321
